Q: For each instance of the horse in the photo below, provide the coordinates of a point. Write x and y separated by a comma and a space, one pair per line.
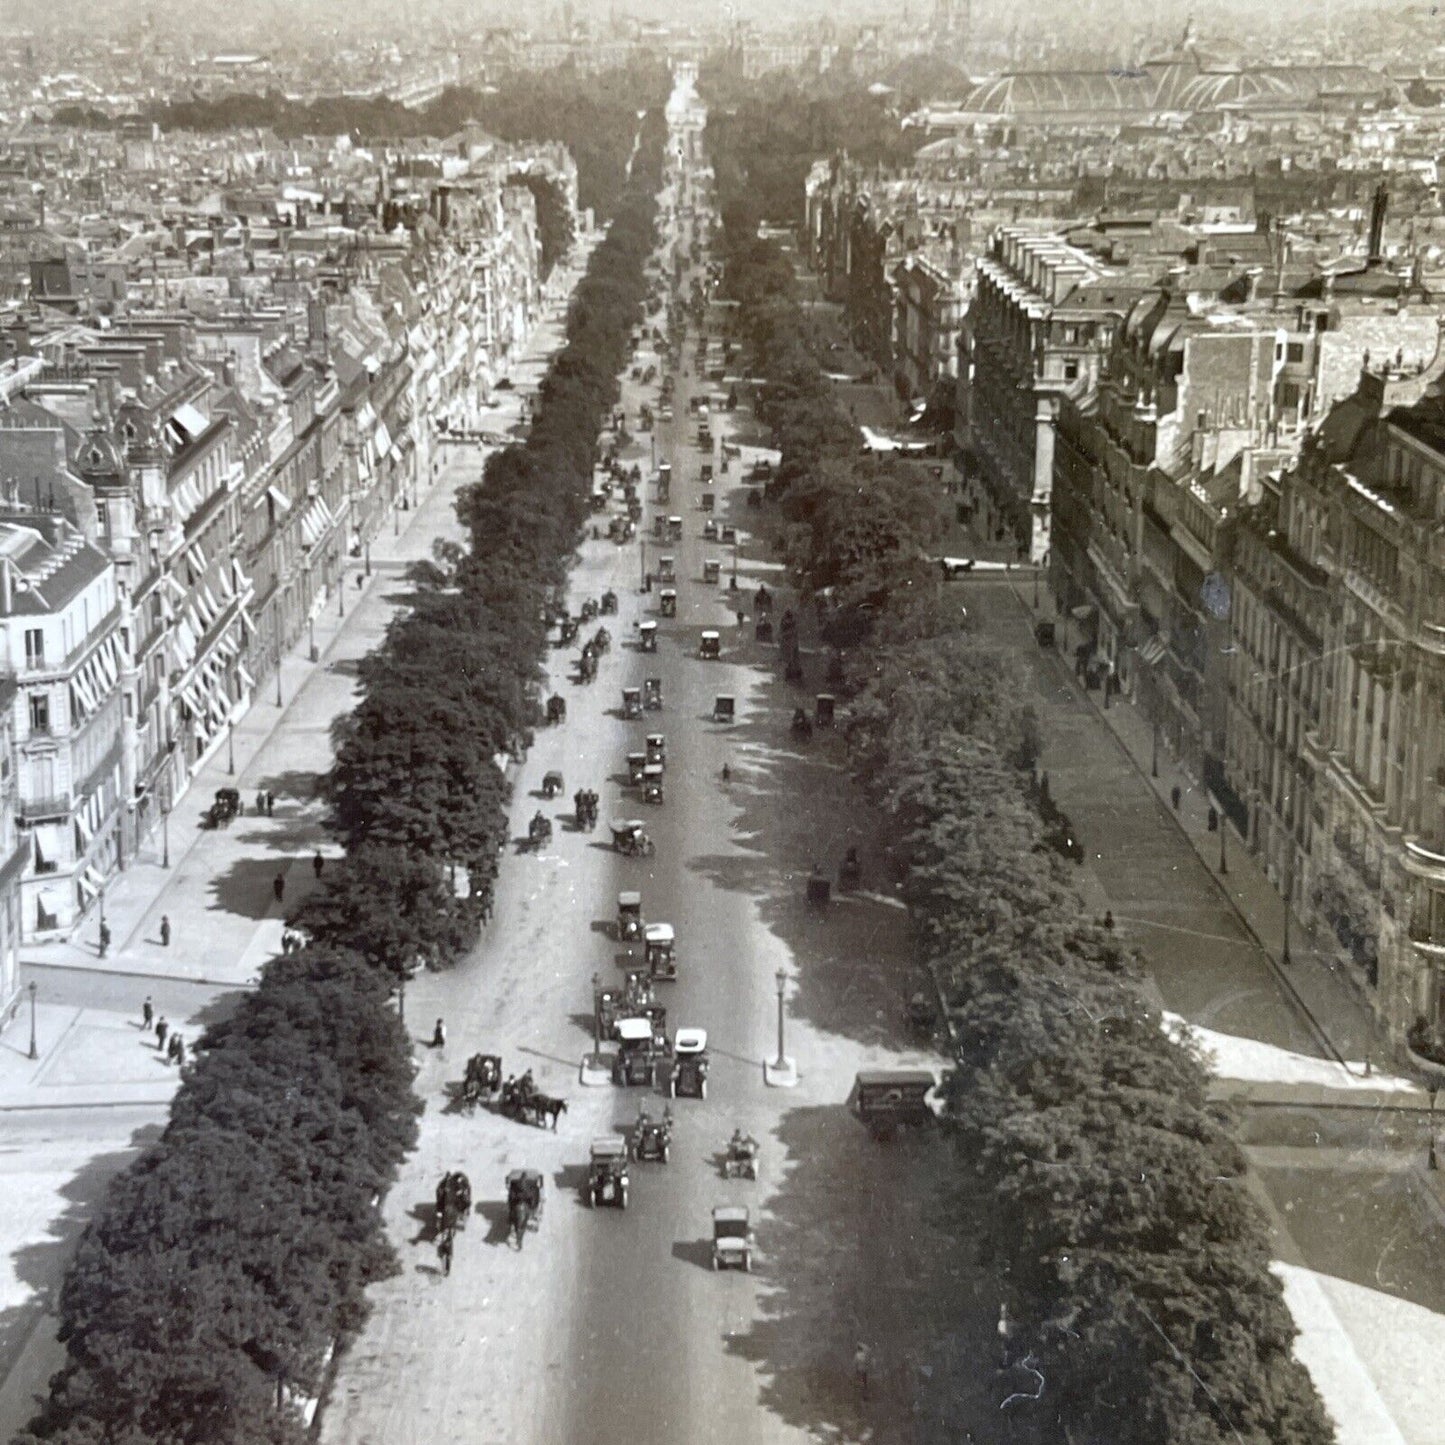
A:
544, 1106
519, 1216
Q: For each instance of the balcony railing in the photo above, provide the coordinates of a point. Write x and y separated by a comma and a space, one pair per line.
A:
55, 806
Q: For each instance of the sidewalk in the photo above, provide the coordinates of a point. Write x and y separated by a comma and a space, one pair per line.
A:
1315, 981
218, 891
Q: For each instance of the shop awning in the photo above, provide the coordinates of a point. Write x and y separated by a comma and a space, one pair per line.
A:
1152, 651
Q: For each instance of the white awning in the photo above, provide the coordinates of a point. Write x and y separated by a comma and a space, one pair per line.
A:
282, 501
189, 421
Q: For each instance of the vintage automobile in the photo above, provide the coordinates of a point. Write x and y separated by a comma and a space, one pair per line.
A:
667, 602
732, 1237
226, 806
889, 1099
609, 603
525, 1191
728, 535
651, 1139
740, 1158
724, 707
652, 694
705, 474
556, 709
674, 529
689, 1064
667, 569
652, 788
631, 702
629, 916
825, 708
637, 1059
607, 1180
647, 634
710, 645
552, 783
711, 571
660, 951
709, 530
708, 502
656, 748
630, 838
820, 889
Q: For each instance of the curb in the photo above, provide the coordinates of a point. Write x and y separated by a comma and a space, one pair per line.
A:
136, 973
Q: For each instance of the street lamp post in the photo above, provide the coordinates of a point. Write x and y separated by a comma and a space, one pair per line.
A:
596, 1015
310, 640
1284, 957
644, 564
279, 702
782, 1060
35, 1048
231, 746
1432, 1161
366, 549
340, 590
1223, 860
1154, 754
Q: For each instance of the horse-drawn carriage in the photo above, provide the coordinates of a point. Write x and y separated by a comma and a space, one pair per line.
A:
520, 1099
630, 839
629, 916
552, 783
608, 604
851, 870
525, 1191
584, 808
556, 709
652, 694
453, 1202
607, 1181
226, 807
482, 1080
587, 665
601, 641
667, 569
660, 951
689, 1064
711, 571
740, 1158
539, 830
651, 1139
656, 745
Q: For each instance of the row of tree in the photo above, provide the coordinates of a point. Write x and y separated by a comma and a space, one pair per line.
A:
1107, 1190
207, 1295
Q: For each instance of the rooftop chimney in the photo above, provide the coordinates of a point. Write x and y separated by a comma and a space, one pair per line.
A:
1378, 203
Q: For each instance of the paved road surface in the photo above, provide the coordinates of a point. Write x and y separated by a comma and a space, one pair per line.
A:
609, 1325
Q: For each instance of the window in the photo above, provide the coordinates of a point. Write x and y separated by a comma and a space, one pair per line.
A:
34, 647
1295, 351
1071, 371
39, 713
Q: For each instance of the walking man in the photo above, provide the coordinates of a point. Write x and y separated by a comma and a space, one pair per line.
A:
278, 886
862, 1366
147, 1014
165, 931
104, 938
270, 803
162, 1029
317, 864
439, 1036
261, 803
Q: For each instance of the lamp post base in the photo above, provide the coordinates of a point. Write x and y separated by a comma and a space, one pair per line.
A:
780, 1073
596, 1070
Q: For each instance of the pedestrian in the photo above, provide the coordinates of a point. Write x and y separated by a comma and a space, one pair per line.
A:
862, 1366
147, 1014
162, 1029
1174, 796
165, 931
173, 1048
439, 1036
104, 938
1109, 919
180, 1044
270, 803
261, 803
278, 886
318, 863
1005, 1337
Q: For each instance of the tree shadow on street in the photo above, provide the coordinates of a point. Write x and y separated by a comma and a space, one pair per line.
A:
40, 1266
864, 1242
245, 888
